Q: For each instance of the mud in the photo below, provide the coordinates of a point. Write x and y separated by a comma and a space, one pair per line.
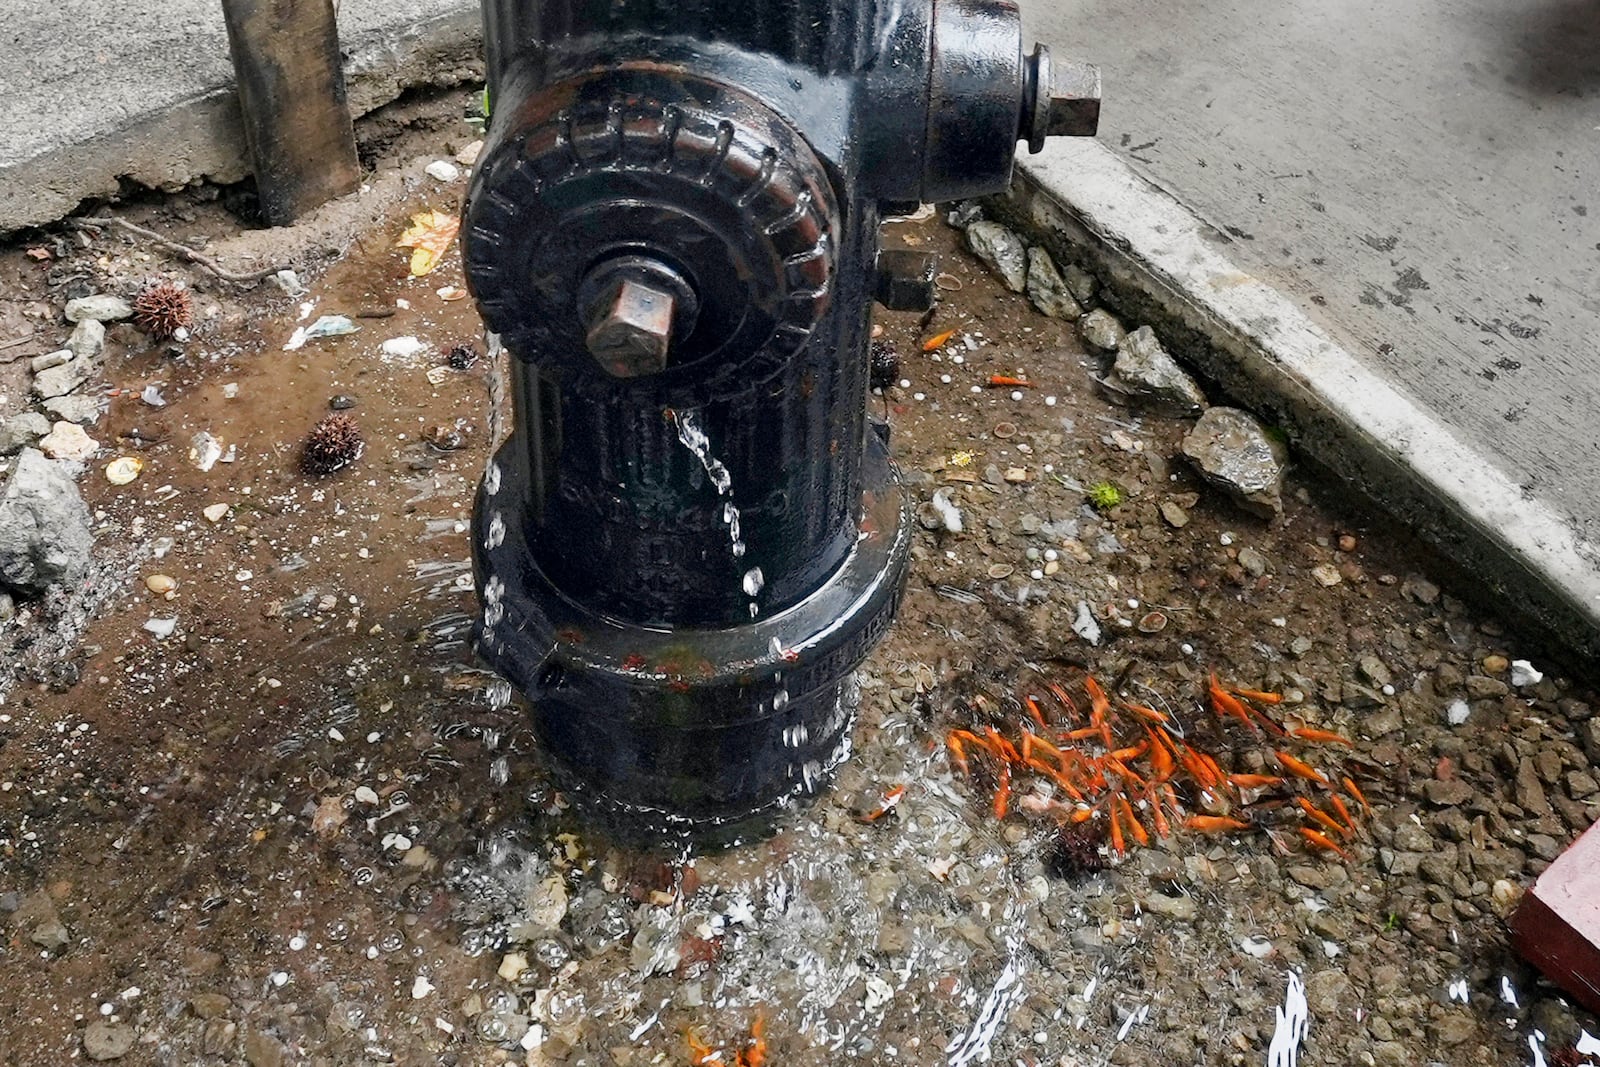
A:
307, 828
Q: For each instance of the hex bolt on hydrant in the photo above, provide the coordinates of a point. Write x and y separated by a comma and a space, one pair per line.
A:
692, 536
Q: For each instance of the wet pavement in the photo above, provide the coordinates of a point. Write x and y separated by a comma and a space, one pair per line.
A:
305, 827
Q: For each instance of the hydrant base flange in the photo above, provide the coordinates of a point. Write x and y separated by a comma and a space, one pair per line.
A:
705, 734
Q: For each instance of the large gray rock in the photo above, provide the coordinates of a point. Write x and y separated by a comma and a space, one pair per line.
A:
1002, 250
1144, 374
76, 408
59, 381
87, 339
1080, 283
1100, 329
101, 307
44, 526
21, 430
1232, 452
1047, 289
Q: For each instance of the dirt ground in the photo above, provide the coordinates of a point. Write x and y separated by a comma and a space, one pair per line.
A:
304, 828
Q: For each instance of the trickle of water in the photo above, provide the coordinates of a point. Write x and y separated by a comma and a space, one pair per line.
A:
753, 581
780, 700
339, 930
496, 534
695, 440
393, 941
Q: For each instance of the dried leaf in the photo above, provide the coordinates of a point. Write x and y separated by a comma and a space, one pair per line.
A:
429, 237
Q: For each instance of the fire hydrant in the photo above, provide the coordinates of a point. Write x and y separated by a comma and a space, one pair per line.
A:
693, 535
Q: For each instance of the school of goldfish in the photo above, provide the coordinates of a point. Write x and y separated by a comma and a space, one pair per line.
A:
1144, 771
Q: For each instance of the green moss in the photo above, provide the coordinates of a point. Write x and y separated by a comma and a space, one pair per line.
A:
1104, 496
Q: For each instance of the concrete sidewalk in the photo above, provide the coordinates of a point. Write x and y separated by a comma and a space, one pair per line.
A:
1389, 236
94, 93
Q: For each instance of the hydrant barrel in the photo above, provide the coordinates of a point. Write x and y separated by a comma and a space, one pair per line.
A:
691, 539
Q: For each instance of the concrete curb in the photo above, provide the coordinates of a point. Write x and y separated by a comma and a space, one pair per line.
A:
1166, 266
199, 137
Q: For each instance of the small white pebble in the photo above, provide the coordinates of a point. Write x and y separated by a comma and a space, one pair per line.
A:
1050, 555
297, 942
1036, 574
1016, 394
905, 383
107, 1008
1279, 621
1049, 468
1225, 538
1388, 690
919, 396
373, 737
958, 359
1186, 648
421, 987
944, 379
976, 389
279, 978
1049, 401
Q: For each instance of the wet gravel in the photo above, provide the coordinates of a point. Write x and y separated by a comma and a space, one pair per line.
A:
306, 828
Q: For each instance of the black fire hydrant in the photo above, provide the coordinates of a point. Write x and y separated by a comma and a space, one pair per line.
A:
692, 536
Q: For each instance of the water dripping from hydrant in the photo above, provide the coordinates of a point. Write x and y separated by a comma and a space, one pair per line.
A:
694, 438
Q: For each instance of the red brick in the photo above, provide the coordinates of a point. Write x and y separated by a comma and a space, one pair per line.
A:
1557, 926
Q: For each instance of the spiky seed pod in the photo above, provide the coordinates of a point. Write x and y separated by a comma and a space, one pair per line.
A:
333, 444
885, 365
1075, 851
161, 309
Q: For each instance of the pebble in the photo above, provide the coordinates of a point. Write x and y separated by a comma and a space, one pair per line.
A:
1002, 250
215, 512
1495, 664
1080, 283
104, 1040
21, 430
74, 408
1326, 574
1176, 517
86, 341
1254, 563
123, 469
1180, 908
1145, 374
443, 170
1524, 673
1100, 329
161, 584
67, 440
50, 360
1047, 290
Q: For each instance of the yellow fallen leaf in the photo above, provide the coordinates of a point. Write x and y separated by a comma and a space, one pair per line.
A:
429, 237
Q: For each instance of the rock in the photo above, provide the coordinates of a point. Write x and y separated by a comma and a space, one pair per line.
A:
1173, 512
1047, 289
74, 408
1381, 723
1494, 663
1233, 453
1253, 562
1357, 697
1447, 794
262, 1051
964, 214
60, 380
1524, 673
87, 340
66, 440
1326, 575
1374, 670
1454, 1028
1180, 908
1529, 790
1420, 589
44, 527
1080, 283
1482, 687
1326, 993
101, 307
209, 1005
21, 430
1100, 329
1002, 250
1145, 374
1589, 735
49, 359
104, 1040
